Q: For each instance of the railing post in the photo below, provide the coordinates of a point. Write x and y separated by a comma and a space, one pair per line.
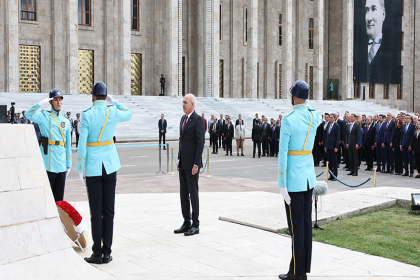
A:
167, 158
326, 171
374, 177
208, 163
172, 162
160, 159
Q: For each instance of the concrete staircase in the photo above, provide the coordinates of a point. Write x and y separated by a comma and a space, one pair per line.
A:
147, 109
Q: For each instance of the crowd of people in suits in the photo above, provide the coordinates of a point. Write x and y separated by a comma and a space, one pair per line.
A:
393, 142
265, 136
20, 118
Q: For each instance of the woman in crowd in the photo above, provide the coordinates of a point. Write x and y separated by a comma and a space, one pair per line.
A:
416, 148
398, 155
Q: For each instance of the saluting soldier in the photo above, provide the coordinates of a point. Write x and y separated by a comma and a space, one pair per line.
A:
296, 177
55, 141
97, 163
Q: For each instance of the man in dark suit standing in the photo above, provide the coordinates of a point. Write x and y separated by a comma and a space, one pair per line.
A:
332, 142
317, 150
406, 145
352, 144
256, 138
162, 129
239, 119
343, 131
340, 123
222, 123
229, 135
387, 140
325, 125
369, 142
191, 144
275, 139
265, 131
214, 134
378, 144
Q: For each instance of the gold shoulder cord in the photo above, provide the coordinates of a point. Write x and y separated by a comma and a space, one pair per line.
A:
303, 152
98, 143
62, 134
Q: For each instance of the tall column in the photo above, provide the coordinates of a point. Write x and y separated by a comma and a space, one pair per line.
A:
180, 36
2, 46
59, 71
288, 51
215, 52
208, 47
124, 26
12, 45
319, 50
415, 94
72, 71
171, 48
347, 53
109, 46
252, 50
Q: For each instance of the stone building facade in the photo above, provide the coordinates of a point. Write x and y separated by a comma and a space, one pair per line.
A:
215, 48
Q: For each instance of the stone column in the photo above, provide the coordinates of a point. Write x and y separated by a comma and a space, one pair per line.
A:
72, 55
109, 46
347, 51
288, 51
208, 47
2, 46
252, 49
215, 42
235, 61
416, 96
170, 48
180, 36
58, 59
124, 19
319, 50
12, 46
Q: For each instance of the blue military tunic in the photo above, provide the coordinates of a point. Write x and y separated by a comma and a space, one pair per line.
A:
294, 171
90, 159
58, 158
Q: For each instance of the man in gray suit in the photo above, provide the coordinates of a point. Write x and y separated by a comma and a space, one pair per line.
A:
352, 144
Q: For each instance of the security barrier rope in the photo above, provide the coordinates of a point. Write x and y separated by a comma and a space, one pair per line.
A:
356, 186
320, 174
135, 146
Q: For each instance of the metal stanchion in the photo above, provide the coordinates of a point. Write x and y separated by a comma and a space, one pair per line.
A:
326, 171
167, 158
172, 162
374, 177
160, 159
208, 163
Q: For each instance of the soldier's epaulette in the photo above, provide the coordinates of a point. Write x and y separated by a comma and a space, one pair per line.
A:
87, 109
289, 114
311, 109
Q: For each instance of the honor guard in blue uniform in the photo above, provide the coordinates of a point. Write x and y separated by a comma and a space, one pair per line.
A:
97, 164
55, 141
296, 177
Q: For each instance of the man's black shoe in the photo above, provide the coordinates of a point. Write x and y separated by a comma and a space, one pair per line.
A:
331, 178
242, 155
94, 259
192, 231
107, 258
387, 171
367, 169
355, 174
182, 229
263, 155
292, 277
253, 156
405, 174
370, 169
164, 148
351, 173
226, 154
348, 169
259, 156
213, 153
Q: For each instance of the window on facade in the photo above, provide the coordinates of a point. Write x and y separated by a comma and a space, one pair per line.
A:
311, 33
84, 12
371, 91
356, 90
386, 91
135, 15
400, 87
28, 9
246, 25
280, 28
402, 40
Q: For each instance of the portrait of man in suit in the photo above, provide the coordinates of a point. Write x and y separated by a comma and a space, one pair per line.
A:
377, 41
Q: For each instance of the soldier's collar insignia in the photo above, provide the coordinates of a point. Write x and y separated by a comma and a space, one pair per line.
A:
98, 102
300, 106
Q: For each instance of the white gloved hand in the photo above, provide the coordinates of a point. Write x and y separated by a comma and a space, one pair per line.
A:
68, 172
82, 178
45, 101
110, 99
285, 194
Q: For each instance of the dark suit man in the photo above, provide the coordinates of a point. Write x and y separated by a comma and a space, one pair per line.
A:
344, 151
256, 119
387, 140
325, 125
378, 144
406, 145
191, 144
256, 138
352, 144
265, 128
275, 139
369, 143
240, 119
332, 142
162, 129
222, 123
229, 135
339, 153
214, 129
317, 150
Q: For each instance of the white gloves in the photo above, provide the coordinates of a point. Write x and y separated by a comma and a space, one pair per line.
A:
110, 99
285, 194
67, 172
82, 178
45, 101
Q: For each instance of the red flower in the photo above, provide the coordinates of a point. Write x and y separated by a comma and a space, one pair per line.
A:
73, 214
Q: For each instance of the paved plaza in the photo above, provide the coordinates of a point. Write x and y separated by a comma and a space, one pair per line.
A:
242, 190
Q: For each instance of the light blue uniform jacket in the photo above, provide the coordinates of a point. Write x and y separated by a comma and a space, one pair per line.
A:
295, 171
90, 159
58, 158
